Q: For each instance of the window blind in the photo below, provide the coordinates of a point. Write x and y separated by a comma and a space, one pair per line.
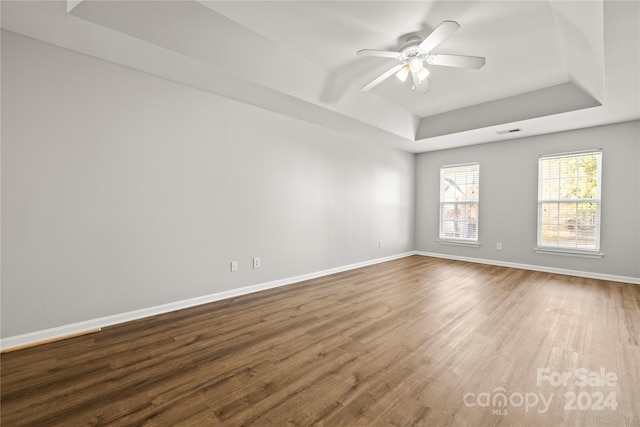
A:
459, 199
569, 202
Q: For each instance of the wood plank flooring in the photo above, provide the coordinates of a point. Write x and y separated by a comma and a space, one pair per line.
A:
417, 341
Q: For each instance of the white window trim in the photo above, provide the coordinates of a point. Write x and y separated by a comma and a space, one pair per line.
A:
457, 241
564, 251
569, 252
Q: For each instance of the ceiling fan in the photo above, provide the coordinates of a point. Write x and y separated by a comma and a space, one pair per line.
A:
415, 52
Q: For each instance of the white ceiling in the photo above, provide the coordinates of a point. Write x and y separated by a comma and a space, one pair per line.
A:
329, 33
551, 66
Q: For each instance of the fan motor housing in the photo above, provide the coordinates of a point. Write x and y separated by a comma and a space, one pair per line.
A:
410, 48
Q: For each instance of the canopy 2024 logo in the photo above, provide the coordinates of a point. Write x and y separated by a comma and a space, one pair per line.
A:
592, 400
583, 400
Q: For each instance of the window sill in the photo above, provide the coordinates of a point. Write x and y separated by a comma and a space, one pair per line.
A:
569, 252
458, 242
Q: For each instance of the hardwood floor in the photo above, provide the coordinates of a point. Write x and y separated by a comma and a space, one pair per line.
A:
415, 341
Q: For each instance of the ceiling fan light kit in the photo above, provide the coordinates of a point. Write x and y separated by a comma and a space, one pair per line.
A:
415, 52
403, 73
415, 64
423, 73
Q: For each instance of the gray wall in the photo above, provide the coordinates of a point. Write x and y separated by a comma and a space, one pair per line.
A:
122, 191
508, 198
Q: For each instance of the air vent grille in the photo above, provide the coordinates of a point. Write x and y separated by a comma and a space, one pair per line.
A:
502, 132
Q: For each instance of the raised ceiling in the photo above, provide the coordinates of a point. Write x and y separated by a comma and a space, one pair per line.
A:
551, 66
329, 33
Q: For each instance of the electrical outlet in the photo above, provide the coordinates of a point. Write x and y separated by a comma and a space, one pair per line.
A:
499, 246
379, 243
234, 265
256, 263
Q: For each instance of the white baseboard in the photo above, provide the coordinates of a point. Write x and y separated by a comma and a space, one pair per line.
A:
61, 332
578, 273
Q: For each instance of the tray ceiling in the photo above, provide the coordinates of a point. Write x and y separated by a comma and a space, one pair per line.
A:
551, 66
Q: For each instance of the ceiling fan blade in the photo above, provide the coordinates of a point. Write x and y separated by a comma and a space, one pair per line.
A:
438, 35
419, 86
382, 77
459, 61
380, 53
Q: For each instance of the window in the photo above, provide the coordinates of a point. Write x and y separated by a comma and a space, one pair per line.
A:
459, 192
569, 202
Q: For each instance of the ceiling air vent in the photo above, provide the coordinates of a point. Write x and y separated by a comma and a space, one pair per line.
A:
502, 132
